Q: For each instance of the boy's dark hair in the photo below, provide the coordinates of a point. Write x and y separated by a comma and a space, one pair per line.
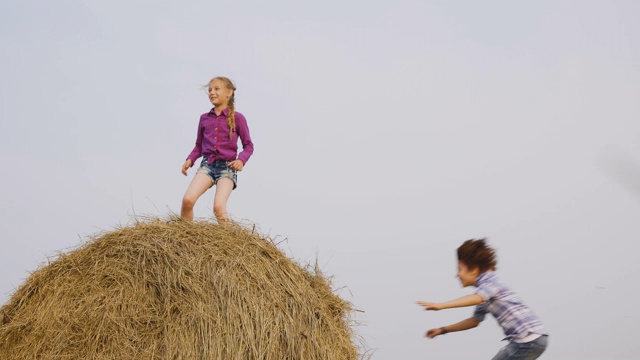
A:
475, 253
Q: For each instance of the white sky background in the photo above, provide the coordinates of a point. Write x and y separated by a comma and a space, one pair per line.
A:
386, 133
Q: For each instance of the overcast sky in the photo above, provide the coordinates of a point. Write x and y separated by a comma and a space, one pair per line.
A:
386, 133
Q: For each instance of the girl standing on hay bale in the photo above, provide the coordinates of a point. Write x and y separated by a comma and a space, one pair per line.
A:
217, 143
476, 265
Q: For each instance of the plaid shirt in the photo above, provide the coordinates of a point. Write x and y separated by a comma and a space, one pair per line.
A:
213, 142
516, 319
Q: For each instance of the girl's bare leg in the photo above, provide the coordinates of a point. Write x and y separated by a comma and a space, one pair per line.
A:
198, 186
223, 191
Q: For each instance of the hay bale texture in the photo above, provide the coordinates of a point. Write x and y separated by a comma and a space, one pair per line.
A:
176, 290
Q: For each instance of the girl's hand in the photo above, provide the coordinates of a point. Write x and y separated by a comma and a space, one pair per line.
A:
236, 165
430, 306
431, 333
186, 166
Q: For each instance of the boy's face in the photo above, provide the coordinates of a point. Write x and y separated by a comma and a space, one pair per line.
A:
467, 276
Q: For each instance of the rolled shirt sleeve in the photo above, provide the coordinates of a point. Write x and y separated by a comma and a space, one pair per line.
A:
487, 291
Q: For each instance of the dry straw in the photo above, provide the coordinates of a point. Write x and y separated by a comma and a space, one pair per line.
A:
176, 290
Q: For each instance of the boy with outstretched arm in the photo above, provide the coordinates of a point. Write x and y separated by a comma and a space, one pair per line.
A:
476, 267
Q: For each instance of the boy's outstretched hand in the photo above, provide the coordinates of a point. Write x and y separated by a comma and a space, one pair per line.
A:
431, 333
430, 306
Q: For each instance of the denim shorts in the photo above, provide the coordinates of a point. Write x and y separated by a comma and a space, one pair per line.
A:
217, 170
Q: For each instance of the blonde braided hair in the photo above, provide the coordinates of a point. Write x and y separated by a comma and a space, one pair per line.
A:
231, 119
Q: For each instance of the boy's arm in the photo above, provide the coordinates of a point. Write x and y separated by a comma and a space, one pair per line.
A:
467, 300
466, 324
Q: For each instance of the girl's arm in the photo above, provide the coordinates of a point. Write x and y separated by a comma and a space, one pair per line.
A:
187, 164
245, 138
467, 300
466, 324
197, 150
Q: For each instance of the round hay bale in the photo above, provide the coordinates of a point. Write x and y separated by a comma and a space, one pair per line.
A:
176, 290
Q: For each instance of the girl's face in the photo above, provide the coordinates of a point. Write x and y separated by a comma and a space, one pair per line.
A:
219, 93
467, 276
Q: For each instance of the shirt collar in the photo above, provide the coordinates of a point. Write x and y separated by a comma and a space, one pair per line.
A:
225, 112
485, 277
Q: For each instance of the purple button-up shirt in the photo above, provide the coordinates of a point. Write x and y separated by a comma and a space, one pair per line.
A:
213, 142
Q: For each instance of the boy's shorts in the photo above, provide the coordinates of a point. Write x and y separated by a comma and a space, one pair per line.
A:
217, 170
